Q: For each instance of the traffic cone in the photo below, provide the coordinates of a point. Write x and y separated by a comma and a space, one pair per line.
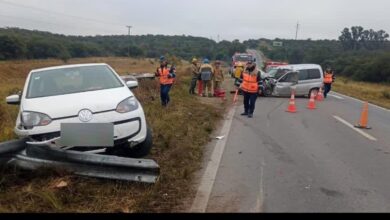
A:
364, 118
320, 95
291, 107
312, 102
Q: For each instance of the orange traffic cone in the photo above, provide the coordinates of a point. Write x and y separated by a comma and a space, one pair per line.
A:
320, 95
291, 107
364, 118
312, 102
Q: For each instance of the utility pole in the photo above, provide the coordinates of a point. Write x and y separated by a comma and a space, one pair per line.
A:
296, 33
128, 48
218, 38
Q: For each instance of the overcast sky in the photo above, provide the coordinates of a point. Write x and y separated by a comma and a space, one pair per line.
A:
230, 19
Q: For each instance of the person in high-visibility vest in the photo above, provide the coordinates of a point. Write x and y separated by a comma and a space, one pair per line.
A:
328, 80
250, 79
167, 78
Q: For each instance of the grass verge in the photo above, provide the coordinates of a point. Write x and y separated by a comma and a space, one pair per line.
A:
375, 93
179, 133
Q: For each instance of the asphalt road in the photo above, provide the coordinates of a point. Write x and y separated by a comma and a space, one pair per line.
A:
258, 56
309, 161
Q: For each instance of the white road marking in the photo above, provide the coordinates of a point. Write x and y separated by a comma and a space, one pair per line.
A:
358, 100
204, 191
356, 129
337, 97
260, 197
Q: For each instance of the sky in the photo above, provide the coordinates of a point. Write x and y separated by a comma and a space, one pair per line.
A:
214, 19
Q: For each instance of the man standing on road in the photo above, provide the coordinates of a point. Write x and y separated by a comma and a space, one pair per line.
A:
195, 75
250, 80
167, 78
206, 72
328, 80
218, 78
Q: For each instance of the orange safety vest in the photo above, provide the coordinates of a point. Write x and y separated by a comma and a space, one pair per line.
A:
164, 80
328, 78
249, 83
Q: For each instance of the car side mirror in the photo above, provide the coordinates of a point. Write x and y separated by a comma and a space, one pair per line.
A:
132, 84
13, 100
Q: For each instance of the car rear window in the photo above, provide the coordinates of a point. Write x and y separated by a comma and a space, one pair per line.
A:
314, 73
309, 74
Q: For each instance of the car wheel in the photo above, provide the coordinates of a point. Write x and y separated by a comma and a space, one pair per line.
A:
268, 92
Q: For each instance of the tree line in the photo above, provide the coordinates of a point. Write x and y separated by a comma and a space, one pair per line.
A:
360, 54
18, 43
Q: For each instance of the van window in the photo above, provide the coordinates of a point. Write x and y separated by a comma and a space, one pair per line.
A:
314, 74
303, 75
289, 77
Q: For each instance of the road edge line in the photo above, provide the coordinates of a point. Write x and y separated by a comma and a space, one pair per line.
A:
357, 130
201, 200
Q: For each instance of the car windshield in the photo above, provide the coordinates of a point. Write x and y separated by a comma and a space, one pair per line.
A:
243, 58
71, 80
277, 73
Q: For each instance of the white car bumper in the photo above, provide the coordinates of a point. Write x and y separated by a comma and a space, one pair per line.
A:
128, 127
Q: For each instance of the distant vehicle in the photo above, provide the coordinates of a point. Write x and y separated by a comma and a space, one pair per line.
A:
89, 98
240, 57
272, 65
306, 78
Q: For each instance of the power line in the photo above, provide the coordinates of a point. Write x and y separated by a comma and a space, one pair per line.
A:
59, 13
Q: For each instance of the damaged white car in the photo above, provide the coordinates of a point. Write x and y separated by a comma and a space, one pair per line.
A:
86, 108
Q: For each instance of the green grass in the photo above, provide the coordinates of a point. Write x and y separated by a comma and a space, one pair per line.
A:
179, 132
375, 93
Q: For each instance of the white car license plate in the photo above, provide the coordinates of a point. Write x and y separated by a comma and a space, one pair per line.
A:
87, 134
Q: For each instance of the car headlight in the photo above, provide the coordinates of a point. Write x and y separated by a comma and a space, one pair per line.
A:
127, 105
32, 119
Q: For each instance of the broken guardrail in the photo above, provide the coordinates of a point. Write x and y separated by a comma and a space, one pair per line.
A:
32, 157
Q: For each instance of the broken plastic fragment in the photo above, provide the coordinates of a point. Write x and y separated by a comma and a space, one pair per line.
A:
220, 137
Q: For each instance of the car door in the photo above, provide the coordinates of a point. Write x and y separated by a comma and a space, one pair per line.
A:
304, 83
285, 83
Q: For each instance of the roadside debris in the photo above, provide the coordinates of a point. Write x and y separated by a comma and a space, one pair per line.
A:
220, 137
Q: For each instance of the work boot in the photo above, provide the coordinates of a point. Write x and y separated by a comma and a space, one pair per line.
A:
250, 115
244, 114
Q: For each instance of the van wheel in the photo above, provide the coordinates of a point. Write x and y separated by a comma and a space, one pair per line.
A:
138, 151
315, 91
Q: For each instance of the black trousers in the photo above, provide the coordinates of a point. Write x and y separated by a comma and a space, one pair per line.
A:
328, 87
250, 102
164, 93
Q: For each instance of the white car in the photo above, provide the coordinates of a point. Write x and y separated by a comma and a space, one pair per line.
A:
84, 107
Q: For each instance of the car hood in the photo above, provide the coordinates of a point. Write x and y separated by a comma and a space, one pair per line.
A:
71, 104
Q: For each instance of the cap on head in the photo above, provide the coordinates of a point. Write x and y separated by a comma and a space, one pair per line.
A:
217, 62
194, 60
207, 61
162, 58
